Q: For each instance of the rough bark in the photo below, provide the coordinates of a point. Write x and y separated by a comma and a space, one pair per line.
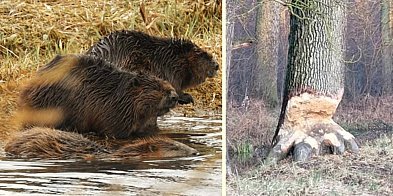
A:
314, 83
267, 35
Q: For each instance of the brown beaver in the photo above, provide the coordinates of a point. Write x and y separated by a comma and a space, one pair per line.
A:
152, 147
178, 61
87, 94
40, 142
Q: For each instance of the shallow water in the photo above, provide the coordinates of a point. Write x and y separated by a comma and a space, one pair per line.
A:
198, 175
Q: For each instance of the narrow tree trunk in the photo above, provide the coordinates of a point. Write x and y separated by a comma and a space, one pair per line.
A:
282, 52
265, 73
228, 49
387, 42
229, 37
314, 82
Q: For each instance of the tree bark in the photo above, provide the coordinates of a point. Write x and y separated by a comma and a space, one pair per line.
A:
267, 35
314, 83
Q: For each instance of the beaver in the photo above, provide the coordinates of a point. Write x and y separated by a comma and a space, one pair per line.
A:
84, 94
154, 147
179, 61
41, 142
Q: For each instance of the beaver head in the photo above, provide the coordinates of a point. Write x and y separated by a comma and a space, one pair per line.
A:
169, 100
161, 95
205, 61
155, 147
201, 65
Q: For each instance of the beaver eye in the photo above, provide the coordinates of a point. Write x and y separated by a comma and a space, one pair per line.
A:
206, 56
168, 93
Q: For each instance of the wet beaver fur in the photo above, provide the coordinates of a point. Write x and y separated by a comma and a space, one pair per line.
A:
85, 94
40, 142
178, 61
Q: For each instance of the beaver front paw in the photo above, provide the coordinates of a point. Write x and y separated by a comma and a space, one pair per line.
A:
185, 98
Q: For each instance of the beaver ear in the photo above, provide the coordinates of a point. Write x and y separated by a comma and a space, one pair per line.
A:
198, 51
153, 148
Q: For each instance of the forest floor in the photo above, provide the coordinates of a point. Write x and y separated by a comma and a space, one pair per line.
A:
33, 32
368, 173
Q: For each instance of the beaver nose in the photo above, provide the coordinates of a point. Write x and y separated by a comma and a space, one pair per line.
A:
216, 66
173, 96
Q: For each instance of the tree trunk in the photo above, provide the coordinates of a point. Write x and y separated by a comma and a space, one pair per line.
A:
229, 37
314, 83
387, 42
265, 73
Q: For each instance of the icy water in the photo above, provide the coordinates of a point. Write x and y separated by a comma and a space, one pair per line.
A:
198, 175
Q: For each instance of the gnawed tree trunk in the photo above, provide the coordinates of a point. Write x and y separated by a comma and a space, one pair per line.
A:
314, 83
264, 82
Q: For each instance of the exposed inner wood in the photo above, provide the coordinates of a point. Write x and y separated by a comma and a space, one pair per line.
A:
308, 119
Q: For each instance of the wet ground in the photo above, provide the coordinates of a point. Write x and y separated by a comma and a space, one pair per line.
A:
198, 175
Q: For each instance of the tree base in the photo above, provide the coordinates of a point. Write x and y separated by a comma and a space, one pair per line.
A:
308, 129
318, 139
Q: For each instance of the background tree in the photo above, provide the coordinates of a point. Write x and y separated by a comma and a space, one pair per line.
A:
242, 59
314, 83
363, 50
267, 37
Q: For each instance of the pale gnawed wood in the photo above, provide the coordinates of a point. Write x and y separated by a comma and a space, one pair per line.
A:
308, 127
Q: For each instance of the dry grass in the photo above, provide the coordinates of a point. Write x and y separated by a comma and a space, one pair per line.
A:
366, 109
369, 173
33, 32
250, 129
254, 124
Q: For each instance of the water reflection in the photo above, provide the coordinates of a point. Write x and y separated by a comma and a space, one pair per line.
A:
199, 175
